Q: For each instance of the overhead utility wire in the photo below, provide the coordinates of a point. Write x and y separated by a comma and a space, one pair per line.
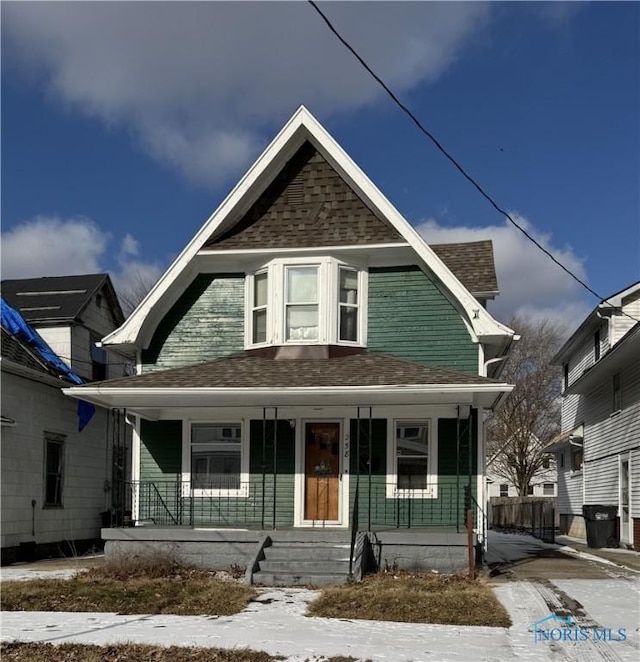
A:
462, 171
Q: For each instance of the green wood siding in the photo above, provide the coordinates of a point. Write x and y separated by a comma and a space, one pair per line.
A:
160, 450
206, 322
258, 509
270, 500
378, 511
410, 317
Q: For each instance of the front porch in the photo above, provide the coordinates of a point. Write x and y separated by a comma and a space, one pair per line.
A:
422, 530
298, 556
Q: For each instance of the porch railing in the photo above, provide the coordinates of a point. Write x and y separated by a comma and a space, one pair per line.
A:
377, 504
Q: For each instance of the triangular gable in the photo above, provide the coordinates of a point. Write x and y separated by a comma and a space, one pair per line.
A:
308, 204
301, 128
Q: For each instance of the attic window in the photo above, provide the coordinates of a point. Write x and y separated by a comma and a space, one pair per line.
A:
99, 300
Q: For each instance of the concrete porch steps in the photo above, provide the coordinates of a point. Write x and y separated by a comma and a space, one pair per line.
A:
311, 562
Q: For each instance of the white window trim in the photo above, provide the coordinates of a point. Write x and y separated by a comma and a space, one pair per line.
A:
251, 308
243, 490
431, 491
328, 302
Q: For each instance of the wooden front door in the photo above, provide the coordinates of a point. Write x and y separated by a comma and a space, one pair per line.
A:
322, 471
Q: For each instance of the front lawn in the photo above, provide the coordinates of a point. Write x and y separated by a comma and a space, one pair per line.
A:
131, 586
414, 598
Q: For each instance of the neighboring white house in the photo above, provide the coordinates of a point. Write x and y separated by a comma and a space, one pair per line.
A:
57, 479
544, 484
598, 450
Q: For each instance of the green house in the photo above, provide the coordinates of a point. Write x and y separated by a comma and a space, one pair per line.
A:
310, 370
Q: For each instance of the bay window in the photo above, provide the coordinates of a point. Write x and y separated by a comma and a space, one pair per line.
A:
302, 301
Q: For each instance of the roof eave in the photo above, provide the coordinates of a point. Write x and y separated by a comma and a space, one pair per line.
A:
135, 399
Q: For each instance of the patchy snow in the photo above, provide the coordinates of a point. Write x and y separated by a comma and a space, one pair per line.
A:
23, 573
275, 623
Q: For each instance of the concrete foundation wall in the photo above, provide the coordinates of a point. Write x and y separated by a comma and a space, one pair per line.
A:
220, 549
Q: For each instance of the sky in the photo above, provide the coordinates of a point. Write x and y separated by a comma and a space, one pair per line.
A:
124, 125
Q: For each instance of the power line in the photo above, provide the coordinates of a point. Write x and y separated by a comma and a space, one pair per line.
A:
457, 165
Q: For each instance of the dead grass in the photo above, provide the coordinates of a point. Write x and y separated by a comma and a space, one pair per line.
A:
23, 652
414, 598
159, 585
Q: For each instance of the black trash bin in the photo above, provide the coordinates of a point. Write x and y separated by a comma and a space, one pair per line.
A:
601, 525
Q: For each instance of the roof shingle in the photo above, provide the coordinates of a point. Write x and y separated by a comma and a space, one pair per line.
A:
251, 371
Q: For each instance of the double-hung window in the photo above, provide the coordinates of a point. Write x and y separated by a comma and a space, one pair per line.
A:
217, 458
53, 469
347, 304
412, 459
301, 303
259, 309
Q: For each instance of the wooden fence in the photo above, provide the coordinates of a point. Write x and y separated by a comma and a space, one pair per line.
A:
534, 515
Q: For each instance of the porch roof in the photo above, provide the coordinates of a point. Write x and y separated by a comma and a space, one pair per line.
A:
250, 380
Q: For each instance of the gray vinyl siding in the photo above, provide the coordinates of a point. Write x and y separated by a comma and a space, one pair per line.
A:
206, 323
608, 434
410, 317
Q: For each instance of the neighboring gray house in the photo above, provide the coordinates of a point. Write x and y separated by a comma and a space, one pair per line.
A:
598, 450
56, 480
72, 314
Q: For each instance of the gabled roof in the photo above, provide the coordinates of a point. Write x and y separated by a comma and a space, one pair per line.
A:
307, 204
57, 299
593, 320
302, 128
626, 350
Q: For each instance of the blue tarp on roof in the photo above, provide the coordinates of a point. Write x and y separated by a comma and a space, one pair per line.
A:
14, 323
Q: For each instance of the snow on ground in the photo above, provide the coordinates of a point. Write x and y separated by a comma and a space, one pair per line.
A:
276, 624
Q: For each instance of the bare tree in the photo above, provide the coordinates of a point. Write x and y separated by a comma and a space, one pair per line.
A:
135, 289
530, 416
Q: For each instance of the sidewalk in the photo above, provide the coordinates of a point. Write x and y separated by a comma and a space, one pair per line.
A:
624, 557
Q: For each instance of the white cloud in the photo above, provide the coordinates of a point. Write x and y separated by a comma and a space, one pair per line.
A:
202, 83
530, 283
51, 246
